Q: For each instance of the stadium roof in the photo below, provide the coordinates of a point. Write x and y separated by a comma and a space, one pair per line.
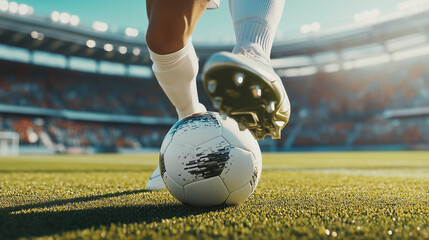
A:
39, 33
354, 37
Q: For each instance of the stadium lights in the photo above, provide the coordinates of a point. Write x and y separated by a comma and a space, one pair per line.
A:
325, 57
406, 42
23, 9
297, 72
305, 29
315, 27
100, 26
136, 51
371, 61
41, 36
65, 18
108, 47
367, 17
90, 43
32, 136
34, 34
294, 61
37, 35
330, 68
113, 68
131, 32
140, 71
412, 5
30, 10
55, 16
365, 62
122, 49
307, 71
291, 72
411, 53
74, 20
347, 65
308, 28
13, 7
4, 5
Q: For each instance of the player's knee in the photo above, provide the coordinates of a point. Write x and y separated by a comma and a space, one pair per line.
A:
168, 31
171, 23
163, 40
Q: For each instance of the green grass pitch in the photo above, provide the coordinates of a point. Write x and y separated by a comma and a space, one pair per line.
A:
345, 195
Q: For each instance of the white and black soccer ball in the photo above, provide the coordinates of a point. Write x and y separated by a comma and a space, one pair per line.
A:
205, 160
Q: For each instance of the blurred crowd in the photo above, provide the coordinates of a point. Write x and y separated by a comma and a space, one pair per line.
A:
363, 91
368, 132
61, 134
35, 86
346, 107
328, 109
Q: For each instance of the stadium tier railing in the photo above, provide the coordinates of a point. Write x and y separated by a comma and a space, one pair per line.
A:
86, 116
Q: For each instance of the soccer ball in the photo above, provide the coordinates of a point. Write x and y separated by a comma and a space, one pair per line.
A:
205, 160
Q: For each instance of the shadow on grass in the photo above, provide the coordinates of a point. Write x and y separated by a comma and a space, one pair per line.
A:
138, 170
71, 200
35, 224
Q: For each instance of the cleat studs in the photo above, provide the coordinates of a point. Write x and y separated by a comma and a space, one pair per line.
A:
256, 91
223, 116
217, 102
239, 79
280, 123
211, 86
275, 134
271, 107
241, 127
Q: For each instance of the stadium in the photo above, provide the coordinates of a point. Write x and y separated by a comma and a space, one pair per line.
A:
80, 106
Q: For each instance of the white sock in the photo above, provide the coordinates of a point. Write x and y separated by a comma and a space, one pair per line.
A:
255, 24
176, 73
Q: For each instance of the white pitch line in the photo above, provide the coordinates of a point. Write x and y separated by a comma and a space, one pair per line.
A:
402, 173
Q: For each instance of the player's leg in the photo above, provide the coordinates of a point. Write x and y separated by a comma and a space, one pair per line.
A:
175, 64
243, 84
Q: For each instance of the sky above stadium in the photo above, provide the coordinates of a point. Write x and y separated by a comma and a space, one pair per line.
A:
215, 25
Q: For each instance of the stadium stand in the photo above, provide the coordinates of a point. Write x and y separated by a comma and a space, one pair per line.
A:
66, 136
362, 91
29, 85
342, 109
360, 103
346, 108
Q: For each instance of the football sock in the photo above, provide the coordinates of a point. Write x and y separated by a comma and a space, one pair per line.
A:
255, 24
176, 73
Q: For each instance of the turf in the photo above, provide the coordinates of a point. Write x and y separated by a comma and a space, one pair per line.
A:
351, 195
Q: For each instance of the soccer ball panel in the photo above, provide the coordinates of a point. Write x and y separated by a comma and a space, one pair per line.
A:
243, 139
210, 159
257, 169
206, 192
256, 175
174, 158
175, 189
239, 196
238, 170
186, 163
196, 129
